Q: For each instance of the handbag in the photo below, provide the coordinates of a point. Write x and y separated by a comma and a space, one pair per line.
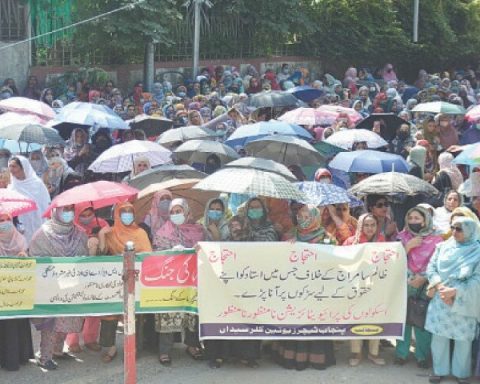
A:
417, 308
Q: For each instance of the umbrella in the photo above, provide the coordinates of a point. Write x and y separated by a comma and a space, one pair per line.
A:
151, 125
15, 203
469, 156
321, 194
164, 173
328, 150
251, 182
31, 133
329, 114
306, 93
96, 195
346, 138
369, 162
440, 107
18, 147
179, 188
388, 130
272, 99
197, 151
24, 105
92, 115
287, 150
10, 118
182, 134
119, 158
391, 183
262, 165
250, 132
302, 116
473, 114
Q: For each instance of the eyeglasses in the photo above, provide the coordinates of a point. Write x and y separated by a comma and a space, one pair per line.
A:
381, 205
455, 228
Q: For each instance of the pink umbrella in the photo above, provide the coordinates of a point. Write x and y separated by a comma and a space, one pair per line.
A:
303, 116
15, 203
11, 118
473, 115
24, 105
330, 113
96, 195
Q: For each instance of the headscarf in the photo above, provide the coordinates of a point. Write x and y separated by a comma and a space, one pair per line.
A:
187, 234
261, 230
11, 242
35, 189
97, 222
445, 163
139, 159
41, 167
120, 234
155, 217
73, 148
314, 233
58, 239
56, 175
222, 224
360, 237
448, 135
417, 156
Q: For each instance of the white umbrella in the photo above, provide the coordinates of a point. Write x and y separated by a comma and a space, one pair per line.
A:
119, 158
263, 165
197, 151
346, 138
183, 134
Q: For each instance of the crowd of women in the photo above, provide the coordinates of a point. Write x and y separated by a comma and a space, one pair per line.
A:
440, 233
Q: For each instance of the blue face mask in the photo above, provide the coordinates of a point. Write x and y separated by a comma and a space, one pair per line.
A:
127, 218
67, 216
214, 215
255, 213
164, 206
6, 226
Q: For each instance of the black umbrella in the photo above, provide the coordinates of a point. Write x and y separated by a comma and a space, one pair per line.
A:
152, 125
65, 129
273, 99
389, 126
31, 133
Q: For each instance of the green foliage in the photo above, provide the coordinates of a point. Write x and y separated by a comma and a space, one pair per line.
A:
97, 77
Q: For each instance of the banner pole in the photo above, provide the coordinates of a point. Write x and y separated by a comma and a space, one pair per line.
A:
129, 347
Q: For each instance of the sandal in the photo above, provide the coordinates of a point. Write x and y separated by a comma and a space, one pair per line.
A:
376, 360
108, 358
75, 348
49, 365
165, 360
93, 347
194, 353
64, 356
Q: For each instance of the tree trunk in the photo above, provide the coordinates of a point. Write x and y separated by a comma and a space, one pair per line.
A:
149, 66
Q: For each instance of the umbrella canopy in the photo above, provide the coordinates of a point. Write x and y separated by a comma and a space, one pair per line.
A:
262, 165
469, 156
96, 195
345, 139
119, 158
15, 203
272, 99
19, 147
389, 126
164, 173
473, 114
369, 162
29, 106
306, 93
11, 118
182, 134
392, 183
328, 150
302, 116
31, 133
251, 182
151, 125
440, 107
92, 115
250, 132
179, 188
330, 113
321, 194
197, 151
287, 150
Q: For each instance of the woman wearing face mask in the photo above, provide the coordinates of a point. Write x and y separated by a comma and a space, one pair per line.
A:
58, 170
16, 346
140, 164
366, 232
58, 237
441, 218
159, 212
447, 133
112, 241
38, 162
419, 241
178, 231
449, 176
214, 221
78, 153
25, 181
300, 355
403, 142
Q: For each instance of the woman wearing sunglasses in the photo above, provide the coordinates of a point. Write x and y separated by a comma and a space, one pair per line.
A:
379, 206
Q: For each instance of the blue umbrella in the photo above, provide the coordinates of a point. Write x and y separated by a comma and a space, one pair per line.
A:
368, 161
321, 194
19, 147
247, 133
306, 93
469, 156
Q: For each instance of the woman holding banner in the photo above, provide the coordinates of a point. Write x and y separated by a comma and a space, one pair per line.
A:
318, 354
419, 241
15, 334
58, 237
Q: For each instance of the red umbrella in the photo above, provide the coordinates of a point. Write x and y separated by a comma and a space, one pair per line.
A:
15, 203
96, 195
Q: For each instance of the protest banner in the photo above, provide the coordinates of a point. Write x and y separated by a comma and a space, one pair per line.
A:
72, 286
301, 291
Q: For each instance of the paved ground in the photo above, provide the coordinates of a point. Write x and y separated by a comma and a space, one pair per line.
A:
88, 369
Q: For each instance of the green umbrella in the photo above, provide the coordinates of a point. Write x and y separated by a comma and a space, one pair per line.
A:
440, 107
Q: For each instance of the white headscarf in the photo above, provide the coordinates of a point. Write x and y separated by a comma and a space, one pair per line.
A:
33, 188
